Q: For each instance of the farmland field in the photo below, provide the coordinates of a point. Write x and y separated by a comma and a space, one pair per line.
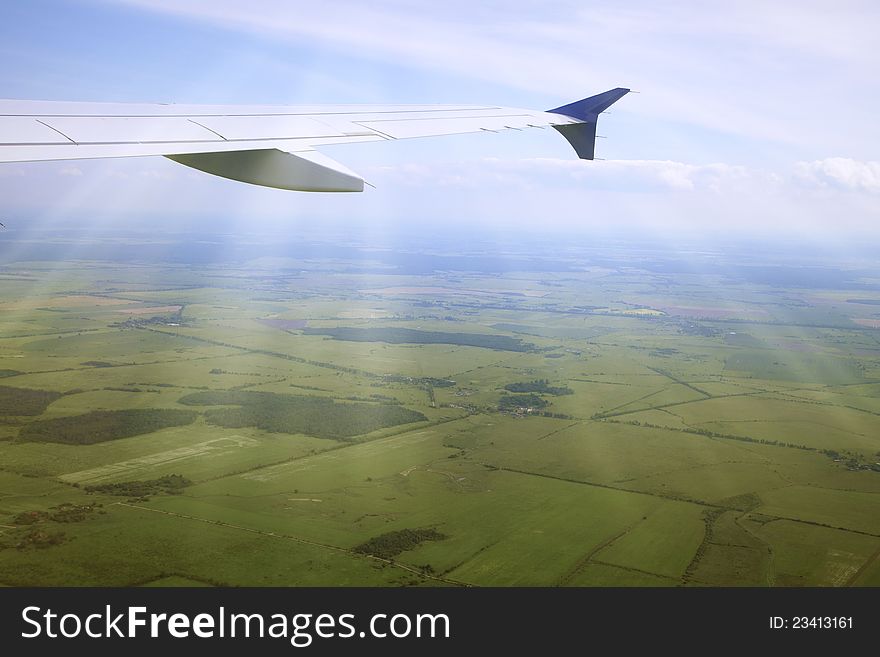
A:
592, 419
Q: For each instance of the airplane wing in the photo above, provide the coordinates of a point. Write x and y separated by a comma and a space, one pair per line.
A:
273, 146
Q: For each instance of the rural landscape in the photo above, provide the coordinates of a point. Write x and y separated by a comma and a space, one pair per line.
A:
331, 413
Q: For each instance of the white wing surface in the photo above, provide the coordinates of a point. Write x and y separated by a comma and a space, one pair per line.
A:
273, 146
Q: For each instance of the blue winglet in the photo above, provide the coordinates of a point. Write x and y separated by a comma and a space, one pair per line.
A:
589, 109
582, 136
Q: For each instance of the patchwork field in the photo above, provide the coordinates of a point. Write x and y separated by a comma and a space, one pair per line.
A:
608, 423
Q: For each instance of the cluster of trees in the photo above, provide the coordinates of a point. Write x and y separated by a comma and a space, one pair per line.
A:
854, 460
39, 538
383, 398
513, 402
141, 322
62, 513
101, 426
541, 386
389, 545
394, 335
172, 484
376, 399
23, 401
314, 416
217, 370
472, 408
419, 380
127, 389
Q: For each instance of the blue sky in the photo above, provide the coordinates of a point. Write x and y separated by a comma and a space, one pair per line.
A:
753, 117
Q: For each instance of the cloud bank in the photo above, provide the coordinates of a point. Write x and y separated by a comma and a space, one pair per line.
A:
842, 173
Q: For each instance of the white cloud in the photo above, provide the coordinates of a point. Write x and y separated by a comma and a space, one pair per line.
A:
630, 176
565, 196
636, 195
841, 172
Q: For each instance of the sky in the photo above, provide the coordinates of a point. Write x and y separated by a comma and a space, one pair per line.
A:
752, 118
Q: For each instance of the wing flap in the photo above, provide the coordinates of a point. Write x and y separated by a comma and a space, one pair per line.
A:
307, 171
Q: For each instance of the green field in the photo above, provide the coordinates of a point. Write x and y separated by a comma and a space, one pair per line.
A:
324, 425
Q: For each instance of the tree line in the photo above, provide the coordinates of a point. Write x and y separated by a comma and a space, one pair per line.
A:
101, 426
541, 386
321, 417
24, 401
394, 335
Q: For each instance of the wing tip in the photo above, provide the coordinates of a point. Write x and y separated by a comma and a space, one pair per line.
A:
582, 134
588, 109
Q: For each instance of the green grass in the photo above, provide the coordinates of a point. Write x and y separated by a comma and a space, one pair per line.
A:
97, 553
550, 531
292, 469
198, 451
806, 555
783, 420
175, 581
802, 368
603, 575
650, 545
731, 554
870, 576
848, 509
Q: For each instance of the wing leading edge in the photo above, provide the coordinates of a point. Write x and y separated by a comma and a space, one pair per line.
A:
272, 146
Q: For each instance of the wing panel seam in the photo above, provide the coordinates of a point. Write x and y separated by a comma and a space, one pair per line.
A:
208, 129
56, 130
375, 131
